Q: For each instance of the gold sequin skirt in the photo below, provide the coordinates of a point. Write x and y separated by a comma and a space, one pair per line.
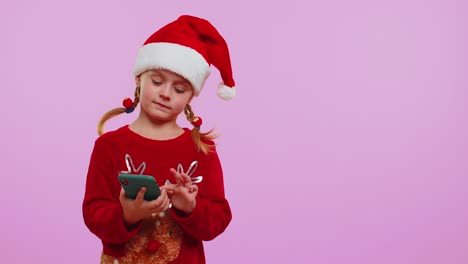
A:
158, 242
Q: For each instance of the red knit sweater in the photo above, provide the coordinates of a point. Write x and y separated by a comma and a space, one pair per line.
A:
180, 236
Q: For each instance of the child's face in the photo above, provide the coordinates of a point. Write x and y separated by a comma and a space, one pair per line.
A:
163, 94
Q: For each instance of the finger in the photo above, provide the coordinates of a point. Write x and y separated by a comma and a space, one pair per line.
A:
179, 180
186, 179
141, 194
161, 208
178, 191
194, 188
174, 172
168, 187
122, 195
161, 202
170, 193
166, 205
156, 202
162, 196
177, 177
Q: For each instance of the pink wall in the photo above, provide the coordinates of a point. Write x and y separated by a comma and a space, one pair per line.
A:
347, 142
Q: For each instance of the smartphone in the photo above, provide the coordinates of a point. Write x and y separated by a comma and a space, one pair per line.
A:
132, 183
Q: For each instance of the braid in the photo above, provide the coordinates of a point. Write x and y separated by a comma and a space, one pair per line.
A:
198, 137
189, 112
136, 100
117, 111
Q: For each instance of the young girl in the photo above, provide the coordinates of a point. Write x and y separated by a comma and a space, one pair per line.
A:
170, 70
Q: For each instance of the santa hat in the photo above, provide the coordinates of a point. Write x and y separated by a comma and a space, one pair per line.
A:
188, 46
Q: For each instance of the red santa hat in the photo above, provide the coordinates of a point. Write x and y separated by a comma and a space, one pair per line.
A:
188, 46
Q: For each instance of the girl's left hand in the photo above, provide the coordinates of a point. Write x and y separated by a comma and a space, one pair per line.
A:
183, 193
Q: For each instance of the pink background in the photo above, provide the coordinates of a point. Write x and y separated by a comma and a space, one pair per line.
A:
347, 143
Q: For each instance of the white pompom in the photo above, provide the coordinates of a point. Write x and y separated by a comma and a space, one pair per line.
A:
226, 92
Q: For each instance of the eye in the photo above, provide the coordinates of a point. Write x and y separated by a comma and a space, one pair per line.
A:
156, 82
179, 89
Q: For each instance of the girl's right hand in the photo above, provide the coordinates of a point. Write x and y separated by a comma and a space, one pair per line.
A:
138, 209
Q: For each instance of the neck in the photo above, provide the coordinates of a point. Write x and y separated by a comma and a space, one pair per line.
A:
156, 129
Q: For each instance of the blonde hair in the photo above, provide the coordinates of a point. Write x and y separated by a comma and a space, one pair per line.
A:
116, 111
198, 137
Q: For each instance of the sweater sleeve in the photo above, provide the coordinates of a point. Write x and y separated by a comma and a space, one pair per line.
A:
102, 211
212, 213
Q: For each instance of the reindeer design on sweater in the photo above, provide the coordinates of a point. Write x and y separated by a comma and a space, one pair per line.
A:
160, 238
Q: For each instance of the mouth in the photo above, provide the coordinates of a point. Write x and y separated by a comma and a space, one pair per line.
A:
162, 105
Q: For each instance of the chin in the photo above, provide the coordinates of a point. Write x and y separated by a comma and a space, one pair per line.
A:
162, 118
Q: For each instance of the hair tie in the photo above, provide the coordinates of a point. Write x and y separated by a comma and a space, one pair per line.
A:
128, 104
196, 121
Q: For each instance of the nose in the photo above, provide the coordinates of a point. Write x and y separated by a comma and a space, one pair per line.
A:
164, 91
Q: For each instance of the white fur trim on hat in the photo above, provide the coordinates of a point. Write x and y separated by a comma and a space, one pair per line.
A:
226, 92
174, 57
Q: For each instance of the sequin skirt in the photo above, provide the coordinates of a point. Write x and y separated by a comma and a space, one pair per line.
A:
158, 242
